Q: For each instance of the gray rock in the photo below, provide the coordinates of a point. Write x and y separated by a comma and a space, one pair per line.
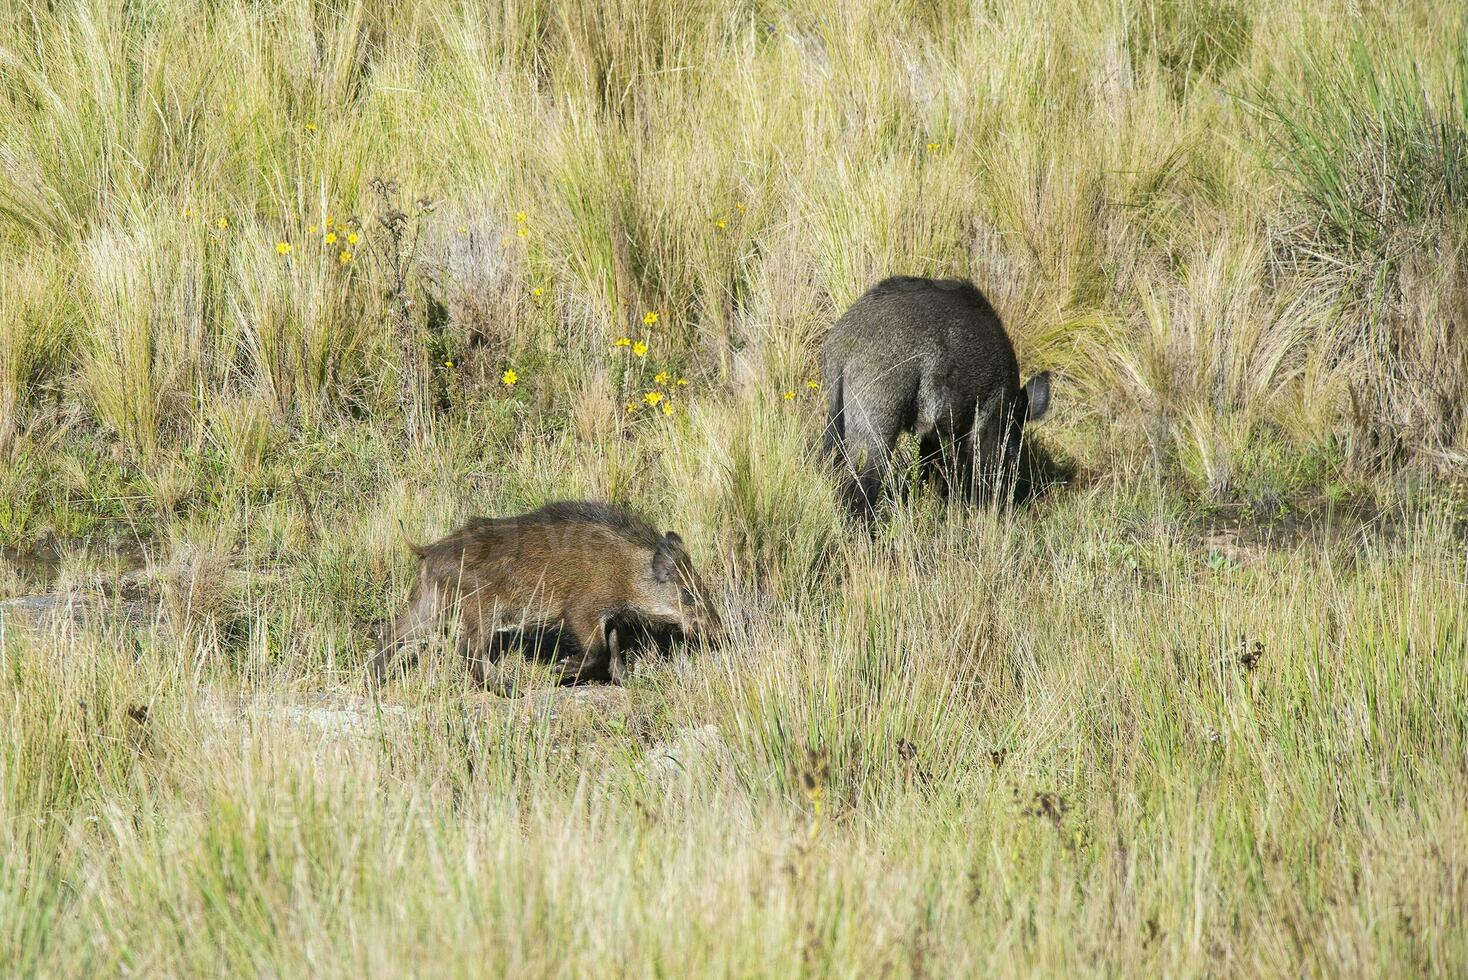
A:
690, 751
35, 612
334, 716
345, 716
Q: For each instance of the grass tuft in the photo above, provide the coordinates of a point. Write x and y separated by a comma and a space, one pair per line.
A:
279, 279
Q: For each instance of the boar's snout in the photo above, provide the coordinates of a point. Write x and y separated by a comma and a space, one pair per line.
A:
686, 600
701, 622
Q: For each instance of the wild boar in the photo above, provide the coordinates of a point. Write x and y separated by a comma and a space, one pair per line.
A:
584, 577
930, 357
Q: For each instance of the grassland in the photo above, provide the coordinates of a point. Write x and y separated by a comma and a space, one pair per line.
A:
1200, 708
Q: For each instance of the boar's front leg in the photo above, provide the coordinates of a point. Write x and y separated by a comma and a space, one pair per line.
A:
617, 655
590, 633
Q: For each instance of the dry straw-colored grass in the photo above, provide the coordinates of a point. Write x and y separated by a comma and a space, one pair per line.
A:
1199, 710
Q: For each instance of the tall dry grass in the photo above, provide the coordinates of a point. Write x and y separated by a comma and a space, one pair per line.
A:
266, 272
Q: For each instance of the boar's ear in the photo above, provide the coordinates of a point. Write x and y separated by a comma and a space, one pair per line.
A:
1037, 396
665, 557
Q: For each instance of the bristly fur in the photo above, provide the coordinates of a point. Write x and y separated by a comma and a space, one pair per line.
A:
594, 576
611, 517
558, 513
960, 289
929, 357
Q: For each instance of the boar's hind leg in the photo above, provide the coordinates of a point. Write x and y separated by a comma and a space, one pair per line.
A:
833, 438
942, 428
408, 630
387, 648
870, 438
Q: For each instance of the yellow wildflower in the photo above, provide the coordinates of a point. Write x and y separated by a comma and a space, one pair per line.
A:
329, 221
222, 223
311, 230
653, 397
522, 232
520, 217
661, 377
330, 238
813, 385
932, 147
649, 318
790, 396
310, 127
740, 208
188, 212
682, 381
283, 248
720, 223
449, 363
344, 257
631, 408
537, 292
622, 342
463, 230
509, 378
640, 348
352, 238
667, 408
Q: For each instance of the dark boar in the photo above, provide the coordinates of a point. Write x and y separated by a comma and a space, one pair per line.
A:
930, 357
587, 575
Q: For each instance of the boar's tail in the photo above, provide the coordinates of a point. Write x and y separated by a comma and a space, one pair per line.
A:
835, 434
416, 549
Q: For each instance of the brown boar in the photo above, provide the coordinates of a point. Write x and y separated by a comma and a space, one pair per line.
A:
585, 577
